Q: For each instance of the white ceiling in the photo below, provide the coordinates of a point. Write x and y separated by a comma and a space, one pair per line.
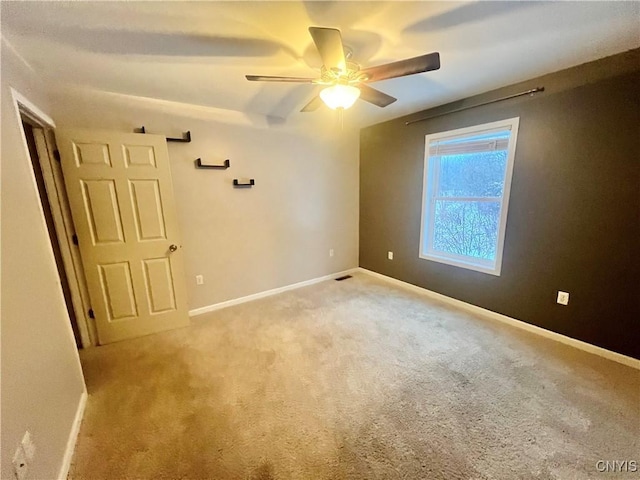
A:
197, 53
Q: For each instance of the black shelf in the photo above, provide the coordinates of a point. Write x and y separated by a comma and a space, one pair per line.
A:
236, 184
224, 166
186, 136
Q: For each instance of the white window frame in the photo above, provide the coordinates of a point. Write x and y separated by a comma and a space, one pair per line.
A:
428, 204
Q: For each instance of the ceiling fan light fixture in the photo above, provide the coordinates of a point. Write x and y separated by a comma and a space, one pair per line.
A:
340, 96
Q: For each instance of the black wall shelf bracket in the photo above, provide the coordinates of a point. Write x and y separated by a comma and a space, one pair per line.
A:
224, 166
186, 136
251, 183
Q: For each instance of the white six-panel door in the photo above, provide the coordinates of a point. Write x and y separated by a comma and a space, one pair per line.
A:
121, 197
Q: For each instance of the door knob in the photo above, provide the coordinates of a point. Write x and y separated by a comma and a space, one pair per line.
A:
173, 248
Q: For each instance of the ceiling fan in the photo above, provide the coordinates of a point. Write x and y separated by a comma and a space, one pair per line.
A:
344, 80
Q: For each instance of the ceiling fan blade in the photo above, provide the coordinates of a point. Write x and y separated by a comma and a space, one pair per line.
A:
313, 105
268, 78
329, 44
374, 96
410, 66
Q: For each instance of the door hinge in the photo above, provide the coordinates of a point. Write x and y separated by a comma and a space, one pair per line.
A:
74, 239
91, 315
56, 155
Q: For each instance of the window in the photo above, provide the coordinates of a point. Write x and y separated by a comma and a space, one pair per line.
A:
467, 177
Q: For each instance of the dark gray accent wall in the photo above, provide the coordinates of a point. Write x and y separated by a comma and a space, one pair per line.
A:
574, 214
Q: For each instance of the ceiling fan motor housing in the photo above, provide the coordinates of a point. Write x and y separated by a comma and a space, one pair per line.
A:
335, 75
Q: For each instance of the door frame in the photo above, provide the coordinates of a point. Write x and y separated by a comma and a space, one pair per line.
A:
60, 211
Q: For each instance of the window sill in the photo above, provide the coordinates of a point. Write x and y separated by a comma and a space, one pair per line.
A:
458, 263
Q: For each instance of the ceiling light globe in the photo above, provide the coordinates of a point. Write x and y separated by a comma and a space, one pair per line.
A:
340, 96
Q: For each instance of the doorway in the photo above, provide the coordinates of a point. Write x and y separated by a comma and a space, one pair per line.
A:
40, 142
29, 127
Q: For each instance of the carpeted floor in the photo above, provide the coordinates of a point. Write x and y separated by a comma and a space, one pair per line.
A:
356, 379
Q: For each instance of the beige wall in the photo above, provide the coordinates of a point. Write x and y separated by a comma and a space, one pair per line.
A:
246, 241
305, 202
41, 377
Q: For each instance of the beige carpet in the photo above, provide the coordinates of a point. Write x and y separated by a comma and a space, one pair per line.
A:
354, 379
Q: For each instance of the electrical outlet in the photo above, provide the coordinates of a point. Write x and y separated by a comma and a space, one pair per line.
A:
199, 280
390, 255
331, 252
20, 466
563, 298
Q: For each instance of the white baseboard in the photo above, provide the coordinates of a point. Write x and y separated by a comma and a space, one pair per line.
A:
587, 347
73, 437
266, 293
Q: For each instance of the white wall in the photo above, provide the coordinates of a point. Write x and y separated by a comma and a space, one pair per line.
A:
41, 376
245, 241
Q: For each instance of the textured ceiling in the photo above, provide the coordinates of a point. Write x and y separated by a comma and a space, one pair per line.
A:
197, 53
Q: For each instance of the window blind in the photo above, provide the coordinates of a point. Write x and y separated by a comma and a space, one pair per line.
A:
489, 141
